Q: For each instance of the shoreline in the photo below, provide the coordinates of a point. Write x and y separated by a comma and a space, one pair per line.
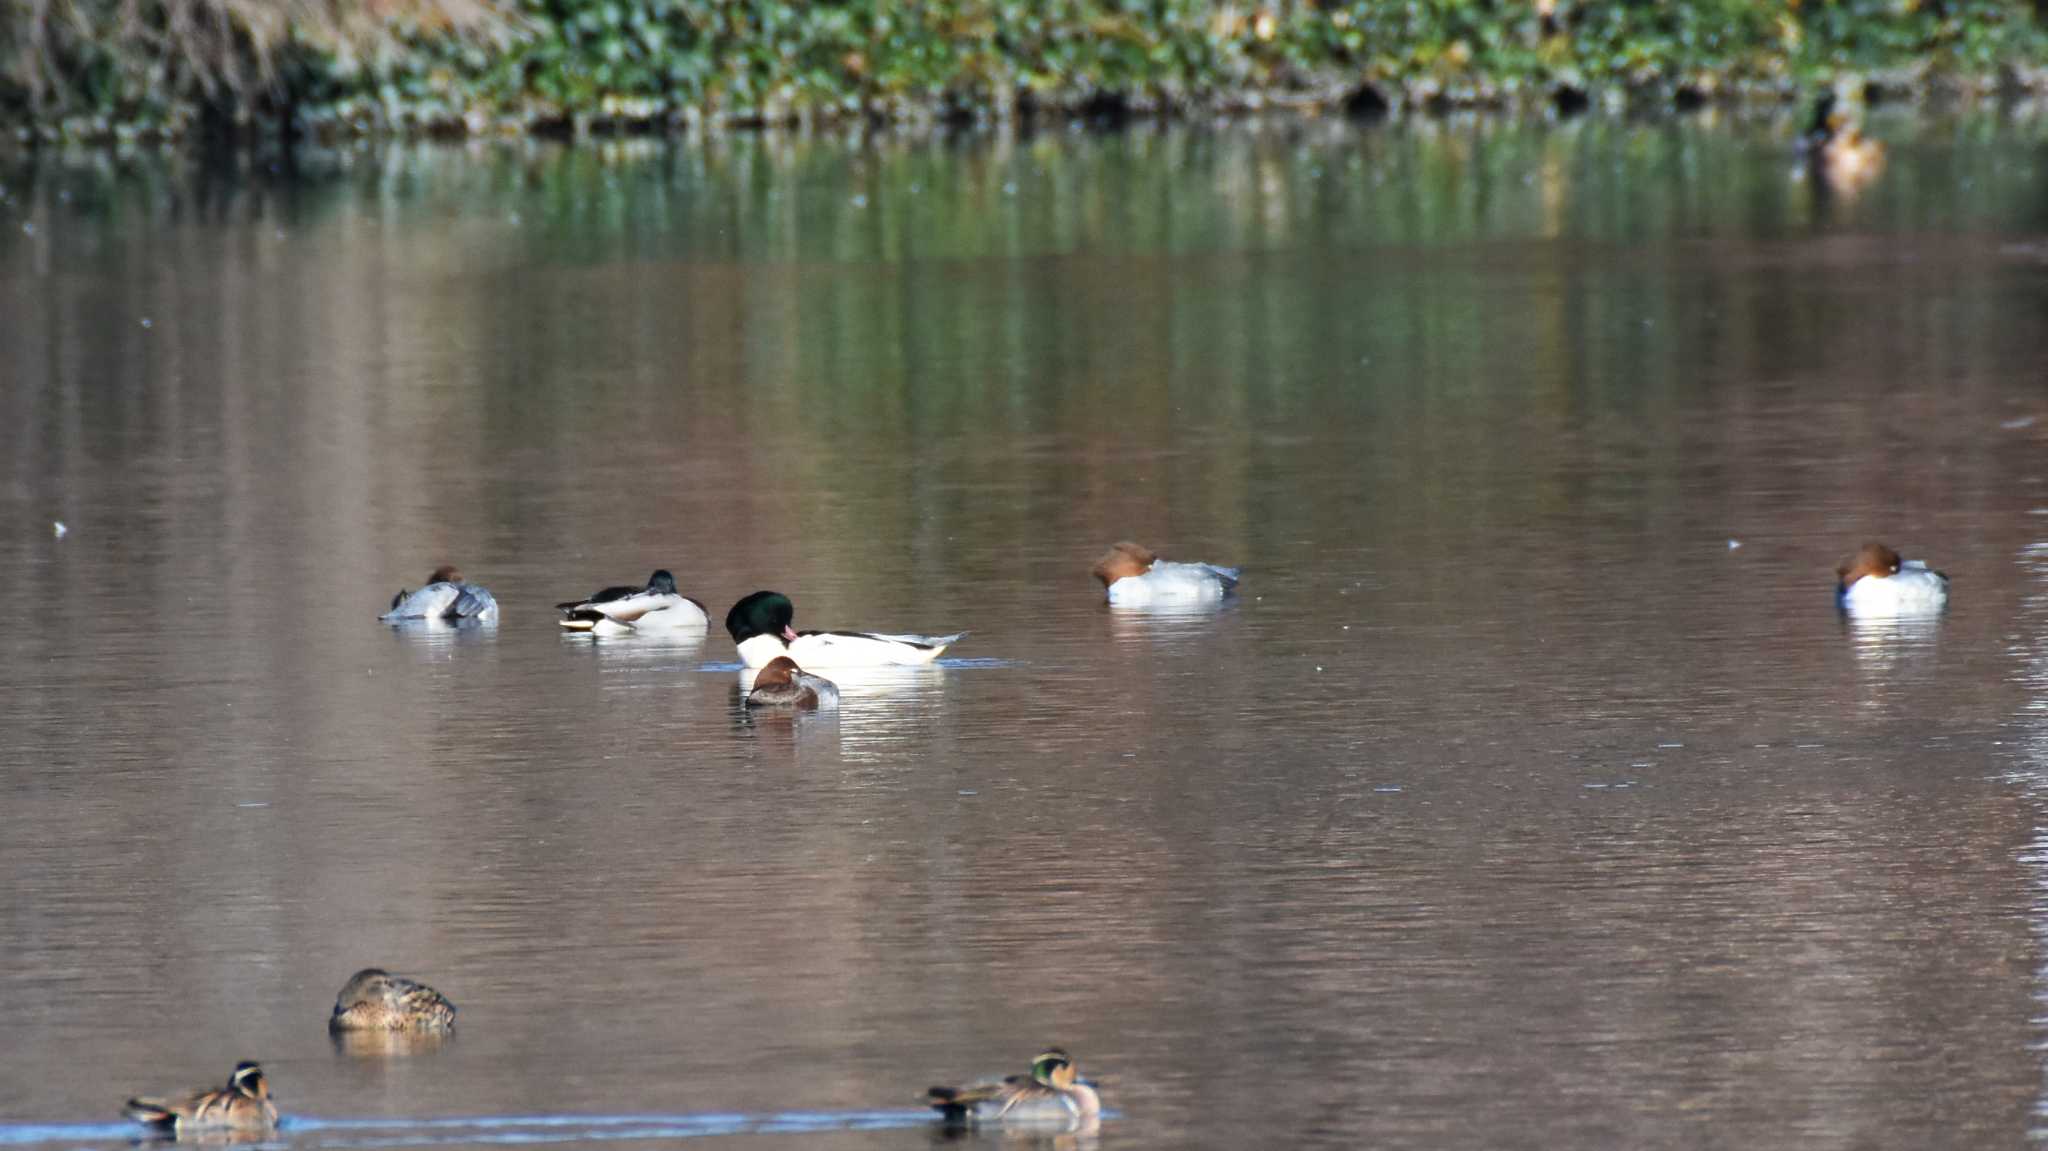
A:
1361, 103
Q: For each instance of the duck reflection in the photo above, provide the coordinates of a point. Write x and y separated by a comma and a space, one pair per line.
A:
637, 646
389, 1044
1080, 1134
1166, 622
1891, 648
440, 633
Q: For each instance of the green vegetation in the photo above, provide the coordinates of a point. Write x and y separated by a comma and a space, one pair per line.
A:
95, 68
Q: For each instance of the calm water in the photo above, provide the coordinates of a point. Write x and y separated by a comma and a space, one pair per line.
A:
1510, 806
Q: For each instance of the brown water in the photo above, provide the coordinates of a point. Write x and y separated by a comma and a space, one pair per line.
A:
1510, 806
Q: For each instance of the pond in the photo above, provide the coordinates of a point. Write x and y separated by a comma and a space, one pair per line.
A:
1531, 792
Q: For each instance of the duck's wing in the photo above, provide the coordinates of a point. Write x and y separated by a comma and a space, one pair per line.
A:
649, 609
430, 602
424, 1005
960, 1102
838, 649
151, 1112
782, 695
825, 693
986, 1101
892, 637
473, 602
605, 596
217, 1107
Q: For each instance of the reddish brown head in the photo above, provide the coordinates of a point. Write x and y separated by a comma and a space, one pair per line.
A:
446, 573
1874, 559
1123, 558
780, 672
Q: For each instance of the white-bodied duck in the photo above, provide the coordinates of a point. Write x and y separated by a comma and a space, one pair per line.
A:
760, 628
1053, 1093
625, 610
1876, 584
446, 597
783, 684
1133, 576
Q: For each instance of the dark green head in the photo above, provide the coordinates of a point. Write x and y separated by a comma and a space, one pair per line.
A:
763, 613
662, 583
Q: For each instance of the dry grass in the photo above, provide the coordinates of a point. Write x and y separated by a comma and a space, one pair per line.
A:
229, 50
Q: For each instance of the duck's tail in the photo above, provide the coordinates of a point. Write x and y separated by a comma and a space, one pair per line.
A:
151, 1113
1229, 576
947, 1102
582, 619
937, 644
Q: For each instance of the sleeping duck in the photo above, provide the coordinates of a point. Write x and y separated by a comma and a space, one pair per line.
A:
1875, 583
1133, 576
1052, 1093
760, 628
783, 684
446, 597
375, 1000
624, 610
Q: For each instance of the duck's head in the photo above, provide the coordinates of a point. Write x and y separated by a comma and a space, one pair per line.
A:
446, 573
248, 1080
368, 985
1054, 1068
780, 672
763, 613
662, 583
1123, 558
1874, 559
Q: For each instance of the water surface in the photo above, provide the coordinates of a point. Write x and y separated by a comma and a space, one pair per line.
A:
1512, 804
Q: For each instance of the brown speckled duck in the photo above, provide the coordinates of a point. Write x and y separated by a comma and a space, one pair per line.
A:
375, 1000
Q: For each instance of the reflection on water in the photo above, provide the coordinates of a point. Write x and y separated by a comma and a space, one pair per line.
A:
1888, 649
2030, 651
389, 1044
1505, 803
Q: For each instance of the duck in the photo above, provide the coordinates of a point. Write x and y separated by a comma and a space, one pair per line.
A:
446, 596
243, 1105
1875, 583
760, 628
1052, 1092
1133, 576
373, 999
1836, 147
624, 610
783, 684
